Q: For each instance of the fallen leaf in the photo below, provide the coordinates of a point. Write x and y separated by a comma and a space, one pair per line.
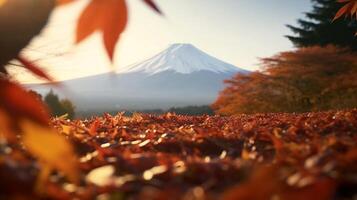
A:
52, 149
264, 178
101, 176
94, 127
66, 129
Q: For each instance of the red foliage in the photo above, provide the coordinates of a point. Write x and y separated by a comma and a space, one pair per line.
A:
302, 80
262, 156
17, 104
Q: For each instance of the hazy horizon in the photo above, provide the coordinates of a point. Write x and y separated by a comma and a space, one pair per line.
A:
233, 31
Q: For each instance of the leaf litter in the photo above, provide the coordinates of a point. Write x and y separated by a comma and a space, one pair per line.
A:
261, 156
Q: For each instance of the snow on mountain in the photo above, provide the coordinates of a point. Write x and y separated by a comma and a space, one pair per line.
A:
181, 75
181, 58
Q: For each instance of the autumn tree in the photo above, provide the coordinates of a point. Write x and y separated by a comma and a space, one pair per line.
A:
319, 28
307, 79
59, 107
22, 112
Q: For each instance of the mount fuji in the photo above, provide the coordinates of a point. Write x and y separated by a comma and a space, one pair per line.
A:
181, 58
181, 75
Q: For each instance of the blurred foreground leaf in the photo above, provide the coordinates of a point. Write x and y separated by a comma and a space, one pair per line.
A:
52, 149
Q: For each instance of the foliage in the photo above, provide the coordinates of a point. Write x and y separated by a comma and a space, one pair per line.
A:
307, 79
349, 9
23, 117
24, 120
192, 110
109, 17
319, 29
187, 110
287, 156
59, 107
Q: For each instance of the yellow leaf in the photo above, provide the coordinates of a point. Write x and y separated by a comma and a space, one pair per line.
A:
52, 149
66, 129
2, 2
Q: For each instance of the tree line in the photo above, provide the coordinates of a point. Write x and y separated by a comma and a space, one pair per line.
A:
320, 74
56, 105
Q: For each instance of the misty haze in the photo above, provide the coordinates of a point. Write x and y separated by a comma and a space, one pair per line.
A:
179, 76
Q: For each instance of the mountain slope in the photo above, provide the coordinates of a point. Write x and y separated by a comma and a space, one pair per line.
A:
179, 76
182, 58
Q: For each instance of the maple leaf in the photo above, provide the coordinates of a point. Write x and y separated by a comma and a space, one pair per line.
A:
20, 109
108, 17
34, 68
151, 4
2, 2
350, 8
19, 104
40, 141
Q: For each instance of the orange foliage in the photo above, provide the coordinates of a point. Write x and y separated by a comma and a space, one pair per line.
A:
349, 9
22, 112
306, 79
108, 16
310, 156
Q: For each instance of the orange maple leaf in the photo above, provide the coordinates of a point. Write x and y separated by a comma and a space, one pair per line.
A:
350, 8
151, 4
109, 17
32, 67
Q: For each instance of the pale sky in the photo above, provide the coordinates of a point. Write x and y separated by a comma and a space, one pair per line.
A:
236, 31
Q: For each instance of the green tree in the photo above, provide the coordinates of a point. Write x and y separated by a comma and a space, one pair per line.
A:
53, 102
59, 107
192, 110
318, 28
68, 107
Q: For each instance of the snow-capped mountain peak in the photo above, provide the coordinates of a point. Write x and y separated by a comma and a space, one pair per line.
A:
189, 77
181, 58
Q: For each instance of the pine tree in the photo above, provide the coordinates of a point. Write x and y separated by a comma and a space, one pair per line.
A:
53, 102
319, 29
59, 107
68, 107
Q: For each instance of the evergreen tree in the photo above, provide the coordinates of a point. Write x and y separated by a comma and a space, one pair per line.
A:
53, 102
68, 107
319, 29
59, 107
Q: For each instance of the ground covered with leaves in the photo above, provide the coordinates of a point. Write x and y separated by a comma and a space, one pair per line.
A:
262, 156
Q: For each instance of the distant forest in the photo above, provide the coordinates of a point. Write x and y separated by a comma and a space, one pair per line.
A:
187, 110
